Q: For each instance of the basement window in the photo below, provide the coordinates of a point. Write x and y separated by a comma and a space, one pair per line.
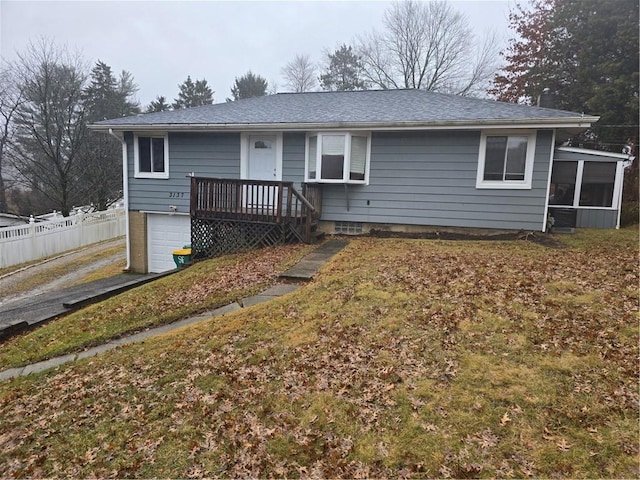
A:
348, 228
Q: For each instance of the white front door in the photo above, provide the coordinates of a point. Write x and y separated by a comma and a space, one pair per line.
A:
263, 164
263, 157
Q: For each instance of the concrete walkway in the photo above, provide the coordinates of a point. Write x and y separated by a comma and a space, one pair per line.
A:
302, 271
306, 268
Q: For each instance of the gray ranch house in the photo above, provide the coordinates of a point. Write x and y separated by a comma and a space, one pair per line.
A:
288, 164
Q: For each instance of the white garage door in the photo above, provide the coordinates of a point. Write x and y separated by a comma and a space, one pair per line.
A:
166, 233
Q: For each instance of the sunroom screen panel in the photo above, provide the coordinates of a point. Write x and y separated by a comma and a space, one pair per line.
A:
598, 179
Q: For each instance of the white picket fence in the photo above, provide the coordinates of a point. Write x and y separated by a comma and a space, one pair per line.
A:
24, 243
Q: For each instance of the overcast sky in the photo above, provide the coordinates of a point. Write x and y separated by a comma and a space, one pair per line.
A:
162, 42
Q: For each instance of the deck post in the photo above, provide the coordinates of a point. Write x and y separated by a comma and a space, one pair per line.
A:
193, 197
289, 197
279, 204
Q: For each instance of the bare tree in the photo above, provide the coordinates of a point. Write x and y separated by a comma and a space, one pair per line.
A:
300, 74
50, 123
10, 101
426, 45
273, 87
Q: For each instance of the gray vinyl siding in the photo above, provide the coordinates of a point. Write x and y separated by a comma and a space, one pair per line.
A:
591, 218
429, 178
204, 154
293, 146
416, 178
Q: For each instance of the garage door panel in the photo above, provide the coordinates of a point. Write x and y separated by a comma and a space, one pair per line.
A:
166, 233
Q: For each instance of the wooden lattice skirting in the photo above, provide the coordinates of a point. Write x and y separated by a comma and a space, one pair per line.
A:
214, 237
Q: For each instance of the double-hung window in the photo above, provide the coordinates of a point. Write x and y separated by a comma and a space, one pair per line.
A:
151, 156
338, 157
506, 160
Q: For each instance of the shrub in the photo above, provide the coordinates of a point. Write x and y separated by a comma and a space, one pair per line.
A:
630, 213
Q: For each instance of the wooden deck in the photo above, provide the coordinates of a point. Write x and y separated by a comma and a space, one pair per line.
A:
230, 214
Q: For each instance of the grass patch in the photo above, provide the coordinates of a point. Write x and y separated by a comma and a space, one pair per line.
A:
403, 358
599, 239
205, 285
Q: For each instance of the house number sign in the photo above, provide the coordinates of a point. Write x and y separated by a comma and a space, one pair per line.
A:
176, 194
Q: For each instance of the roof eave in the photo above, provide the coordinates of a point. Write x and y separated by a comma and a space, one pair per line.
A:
599, 153
579, 123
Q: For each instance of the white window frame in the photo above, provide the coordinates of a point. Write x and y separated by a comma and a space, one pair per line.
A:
136, 156
346, 170
528, 169
617, 186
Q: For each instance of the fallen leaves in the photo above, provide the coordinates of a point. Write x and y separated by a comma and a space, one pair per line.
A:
505, 419
563, 445
380, 386
249, 269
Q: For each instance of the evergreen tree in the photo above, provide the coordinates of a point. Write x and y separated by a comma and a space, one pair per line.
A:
247, 86
203, 94
101, 93
344, 71
127, 88
193, 94
107, 97
101, 167
158, 105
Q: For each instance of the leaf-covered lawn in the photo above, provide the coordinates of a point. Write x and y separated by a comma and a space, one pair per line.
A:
206, 285
404, 358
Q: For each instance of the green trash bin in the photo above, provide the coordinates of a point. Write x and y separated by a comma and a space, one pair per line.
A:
182, 257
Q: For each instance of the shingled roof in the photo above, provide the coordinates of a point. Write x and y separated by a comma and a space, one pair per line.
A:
368, 109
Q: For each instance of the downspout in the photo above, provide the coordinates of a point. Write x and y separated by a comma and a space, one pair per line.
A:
620, 187
546, 201
125, 194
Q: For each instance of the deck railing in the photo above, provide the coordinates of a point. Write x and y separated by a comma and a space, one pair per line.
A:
261, 201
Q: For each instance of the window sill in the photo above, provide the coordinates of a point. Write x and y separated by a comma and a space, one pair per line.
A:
339, 182
504, 185
156, 176
581, 207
